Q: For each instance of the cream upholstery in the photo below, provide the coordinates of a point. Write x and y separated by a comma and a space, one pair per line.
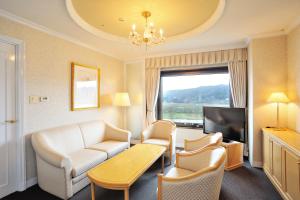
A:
214, 139
161, 132
66, 153
194, 180
81, 164
92, 132
178, 172
161, 142
70, 133
111, 147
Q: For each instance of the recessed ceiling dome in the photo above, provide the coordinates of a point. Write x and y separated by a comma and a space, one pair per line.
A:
113, 19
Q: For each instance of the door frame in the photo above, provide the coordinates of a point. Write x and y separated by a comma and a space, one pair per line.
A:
20, 136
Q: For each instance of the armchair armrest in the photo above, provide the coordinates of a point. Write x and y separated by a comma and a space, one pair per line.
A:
118, 134
190, 145
203, 142
195, 160
49, 154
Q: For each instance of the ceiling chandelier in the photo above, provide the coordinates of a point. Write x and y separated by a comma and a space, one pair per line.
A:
149, 36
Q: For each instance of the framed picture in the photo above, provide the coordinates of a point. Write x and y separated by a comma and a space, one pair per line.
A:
85, 87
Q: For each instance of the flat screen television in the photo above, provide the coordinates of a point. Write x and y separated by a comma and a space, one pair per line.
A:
230, 121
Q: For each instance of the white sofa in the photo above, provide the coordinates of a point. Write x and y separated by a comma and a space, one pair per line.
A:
66, 153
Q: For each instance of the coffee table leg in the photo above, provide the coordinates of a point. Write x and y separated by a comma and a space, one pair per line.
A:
162, 163
93, 190
126, 194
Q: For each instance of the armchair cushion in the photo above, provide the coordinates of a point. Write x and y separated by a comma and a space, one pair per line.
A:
85, 159
161, 142
178, 172
110, 147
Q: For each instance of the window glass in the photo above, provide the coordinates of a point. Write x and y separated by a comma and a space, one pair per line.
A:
182, 96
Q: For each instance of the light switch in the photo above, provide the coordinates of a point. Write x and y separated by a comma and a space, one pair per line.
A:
44, 99
34, 99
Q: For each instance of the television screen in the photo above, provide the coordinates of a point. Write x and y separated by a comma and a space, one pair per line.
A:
230, 121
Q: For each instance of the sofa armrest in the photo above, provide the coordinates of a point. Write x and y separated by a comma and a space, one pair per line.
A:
49, 154
118, 134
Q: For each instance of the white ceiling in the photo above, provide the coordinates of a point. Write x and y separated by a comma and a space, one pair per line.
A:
241, 19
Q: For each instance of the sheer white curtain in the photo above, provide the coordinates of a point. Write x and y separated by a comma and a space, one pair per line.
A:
238, 78
152, 88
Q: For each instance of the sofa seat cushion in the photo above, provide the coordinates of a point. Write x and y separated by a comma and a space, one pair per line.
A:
111, 147
160, 142
85, 159
178, 172
79, 178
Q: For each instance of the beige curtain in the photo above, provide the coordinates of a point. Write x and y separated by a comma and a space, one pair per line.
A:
154, 65
238, 78
198, 59
152, 88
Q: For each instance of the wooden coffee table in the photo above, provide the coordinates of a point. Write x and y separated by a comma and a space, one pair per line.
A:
121, 171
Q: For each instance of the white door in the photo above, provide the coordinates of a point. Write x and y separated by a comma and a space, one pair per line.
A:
8, 146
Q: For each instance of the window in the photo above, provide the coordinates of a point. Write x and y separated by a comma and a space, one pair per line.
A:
182, 94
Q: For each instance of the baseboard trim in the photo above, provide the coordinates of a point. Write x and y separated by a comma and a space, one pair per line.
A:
257, 164
31, 182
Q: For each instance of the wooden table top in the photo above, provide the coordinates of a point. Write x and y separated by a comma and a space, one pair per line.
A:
287, 136
122, 170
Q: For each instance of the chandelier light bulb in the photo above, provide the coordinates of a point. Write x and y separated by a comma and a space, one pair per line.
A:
133, 27
151, 24
161, 32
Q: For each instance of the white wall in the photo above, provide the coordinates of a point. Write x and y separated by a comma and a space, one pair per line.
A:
267, 73
47, 73
135, 84
293, 53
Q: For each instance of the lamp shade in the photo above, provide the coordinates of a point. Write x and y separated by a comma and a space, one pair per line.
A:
278, 97
121, 99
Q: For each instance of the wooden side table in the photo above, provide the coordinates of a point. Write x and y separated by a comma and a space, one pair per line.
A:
234, 157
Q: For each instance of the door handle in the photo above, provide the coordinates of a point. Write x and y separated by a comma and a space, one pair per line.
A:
8, 122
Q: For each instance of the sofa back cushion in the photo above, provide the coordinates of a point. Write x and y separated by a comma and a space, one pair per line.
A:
92, 132
65, 139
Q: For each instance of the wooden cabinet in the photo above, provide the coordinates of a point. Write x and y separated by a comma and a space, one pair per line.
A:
291, 167
276, 160
281, 154
266, 152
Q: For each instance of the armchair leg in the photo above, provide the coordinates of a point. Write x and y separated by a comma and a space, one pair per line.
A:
162, 163
171, 157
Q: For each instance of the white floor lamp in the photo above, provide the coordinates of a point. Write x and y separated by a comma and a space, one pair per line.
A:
122, 99
278, 97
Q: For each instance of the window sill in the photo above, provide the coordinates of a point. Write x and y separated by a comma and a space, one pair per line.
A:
189, 127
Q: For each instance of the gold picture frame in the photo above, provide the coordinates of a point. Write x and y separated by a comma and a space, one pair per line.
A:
85, 87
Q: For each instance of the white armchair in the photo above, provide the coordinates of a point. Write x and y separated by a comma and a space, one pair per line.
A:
196, 176
161, 132
214, 139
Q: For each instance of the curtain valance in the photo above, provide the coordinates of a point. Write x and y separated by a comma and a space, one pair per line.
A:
201, 58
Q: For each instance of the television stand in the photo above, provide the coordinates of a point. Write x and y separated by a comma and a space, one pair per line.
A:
234, 154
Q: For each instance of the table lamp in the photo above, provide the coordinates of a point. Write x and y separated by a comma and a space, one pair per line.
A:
278, 97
